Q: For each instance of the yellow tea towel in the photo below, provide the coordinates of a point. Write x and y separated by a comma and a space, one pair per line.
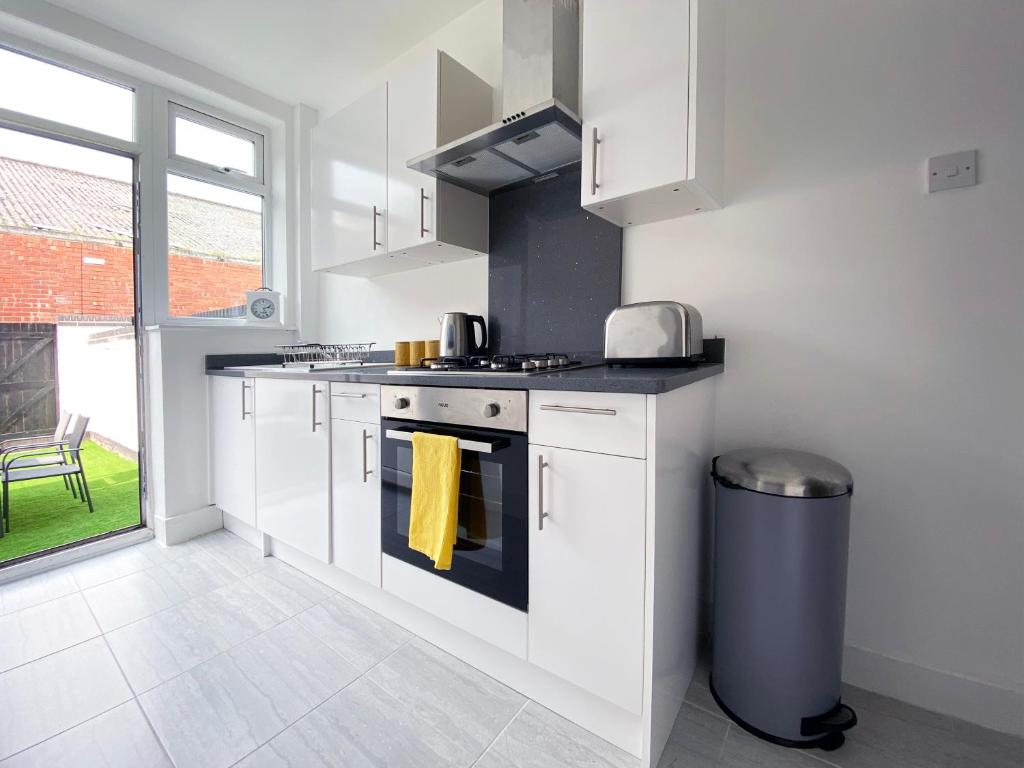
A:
433, 519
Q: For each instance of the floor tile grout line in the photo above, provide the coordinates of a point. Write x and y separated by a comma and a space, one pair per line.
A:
53, 653
346, 686
137, 694
171, 607
191, 597
101, 632
331, 593
499, 734
731, 727
705, 710
371, 668
224, 653
82, 591
69, 728
75, 565
448, 653
70, 567
131, 690
127, 682
725, 740
41, 602
230, 648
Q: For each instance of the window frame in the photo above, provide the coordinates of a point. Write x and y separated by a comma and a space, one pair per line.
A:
175, 110
85, 69
152, 150
174, 106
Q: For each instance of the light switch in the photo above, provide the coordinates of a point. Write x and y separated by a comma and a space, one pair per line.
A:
959, 169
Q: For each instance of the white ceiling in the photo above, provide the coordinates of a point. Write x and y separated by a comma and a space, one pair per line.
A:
296, 50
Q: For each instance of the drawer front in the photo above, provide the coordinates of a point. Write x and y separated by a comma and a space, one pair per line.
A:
590, 421
355, 402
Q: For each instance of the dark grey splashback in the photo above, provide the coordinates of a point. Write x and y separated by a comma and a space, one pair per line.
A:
555, 270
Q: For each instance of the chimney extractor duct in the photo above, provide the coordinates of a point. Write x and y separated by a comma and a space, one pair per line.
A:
540, 130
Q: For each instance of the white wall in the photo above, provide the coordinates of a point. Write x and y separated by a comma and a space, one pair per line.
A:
875, 323
401, 306
406, 305
99, 380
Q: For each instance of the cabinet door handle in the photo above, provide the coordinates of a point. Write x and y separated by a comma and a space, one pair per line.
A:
316, 391
577, 409
245, 386
366, 438
348, 394
541, 514
423, 225
376, 213
594, 186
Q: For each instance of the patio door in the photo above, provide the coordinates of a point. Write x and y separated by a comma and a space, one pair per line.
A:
69, 343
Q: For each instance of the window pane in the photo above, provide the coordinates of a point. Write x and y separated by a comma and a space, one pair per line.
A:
215, 238
54, 93
208, 145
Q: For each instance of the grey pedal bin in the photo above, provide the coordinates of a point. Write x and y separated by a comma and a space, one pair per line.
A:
782, 527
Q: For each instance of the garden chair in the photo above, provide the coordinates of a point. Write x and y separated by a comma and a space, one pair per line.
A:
27, 444
19, 467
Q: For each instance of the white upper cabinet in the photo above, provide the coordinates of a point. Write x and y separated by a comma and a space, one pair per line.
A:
652, 107
349, 179
373, 215
431, 102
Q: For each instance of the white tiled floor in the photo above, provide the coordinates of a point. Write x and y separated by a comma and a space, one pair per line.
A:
209, 655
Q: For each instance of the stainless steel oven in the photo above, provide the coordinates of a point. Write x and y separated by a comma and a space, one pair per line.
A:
490, 555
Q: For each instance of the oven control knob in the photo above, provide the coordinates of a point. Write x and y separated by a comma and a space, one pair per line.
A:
401, 403
491, 410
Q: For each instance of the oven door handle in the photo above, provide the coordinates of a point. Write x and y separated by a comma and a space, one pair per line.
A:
466, 445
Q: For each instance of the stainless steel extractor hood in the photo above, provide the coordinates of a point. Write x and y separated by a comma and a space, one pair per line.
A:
540, 131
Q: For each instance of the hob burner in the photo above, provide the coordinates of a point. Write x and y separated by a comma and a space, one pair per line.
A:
522, 364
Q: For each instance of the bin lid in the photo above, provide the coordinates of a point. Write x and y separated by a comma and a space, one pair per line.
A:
783, 472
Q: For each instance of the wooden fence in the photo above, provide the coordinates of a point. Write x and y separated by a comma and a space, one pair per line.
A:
28, 378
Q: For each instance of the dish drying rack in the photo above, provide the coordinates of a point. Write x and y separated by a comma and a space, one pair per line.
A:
309, 354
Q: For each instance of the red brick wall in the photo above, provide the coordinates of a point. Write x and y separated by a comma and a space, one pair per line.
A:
43, 277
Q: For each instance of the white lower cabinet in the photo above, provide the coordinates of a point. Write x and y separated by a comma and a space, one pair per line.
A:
232, 447
355, 502
616, 499
587, 564
293, 464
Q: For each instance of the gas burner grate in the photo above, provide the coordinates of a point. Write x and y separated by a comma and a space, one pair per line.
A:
521, 364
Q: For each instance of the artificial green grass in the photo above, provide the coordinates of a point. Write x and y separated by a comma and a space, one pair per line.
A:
44, 514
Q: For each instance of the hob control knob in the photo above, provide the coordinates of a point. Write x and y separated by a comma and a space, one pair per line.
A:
401, 403
491, 410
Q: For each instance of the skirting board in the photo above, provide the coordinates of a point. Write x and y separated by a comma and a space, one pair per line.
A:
1000, 709
181, 528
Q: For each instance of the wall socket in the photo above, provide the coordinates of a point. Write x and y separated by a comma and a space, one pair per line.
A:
959, 169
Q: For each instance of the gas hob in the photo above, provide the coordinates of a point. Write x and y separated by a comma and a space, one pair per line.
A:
496, 365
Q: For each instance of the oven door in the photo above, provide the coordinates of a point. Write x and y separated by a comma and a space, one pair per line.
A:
490, 555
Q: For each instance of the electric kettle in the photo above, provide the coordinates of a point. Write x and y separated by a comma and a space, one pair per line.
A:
457, 336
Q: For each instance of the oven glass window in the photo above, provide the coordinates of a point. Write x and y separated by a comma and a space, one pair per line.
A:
479, 533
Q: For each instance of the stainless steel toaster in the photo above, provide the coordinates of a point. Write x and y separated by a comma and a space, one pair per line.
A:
653, 333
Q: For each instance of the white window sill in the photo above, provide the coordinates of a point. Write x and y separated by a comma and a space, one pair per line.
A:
218, 326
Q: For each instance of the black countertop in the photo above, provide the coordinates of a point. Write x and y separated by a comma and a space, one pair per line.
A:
644, 381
